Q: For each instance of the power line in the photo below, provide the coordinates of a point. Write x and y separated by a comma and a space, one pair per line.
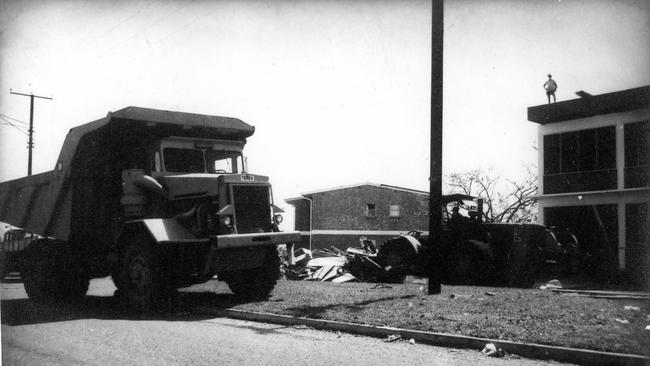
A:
13, 119
8, 122
16, 127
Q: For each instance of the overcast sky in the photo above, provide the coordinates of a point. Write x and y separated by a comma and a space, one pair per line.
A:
339, 91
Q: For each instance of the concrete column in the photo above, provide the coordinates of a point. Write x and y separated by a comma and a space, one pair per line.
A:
620, 156
540, 161
621, 235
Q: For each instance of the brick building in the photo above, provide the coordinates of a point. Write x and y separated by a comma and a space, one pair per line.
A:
341, 216
594, 177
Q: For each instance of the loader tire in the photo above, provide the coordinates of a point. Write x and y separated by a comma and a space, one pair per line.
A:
470, 264
140, 277
256, 283
398, 256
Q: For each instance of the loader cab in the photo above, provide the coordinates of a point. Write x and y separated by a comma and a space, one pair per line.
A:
178, 155
459, 208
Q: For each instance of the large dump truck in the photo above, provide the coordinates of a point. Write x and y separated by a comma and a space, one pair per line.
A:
156, 199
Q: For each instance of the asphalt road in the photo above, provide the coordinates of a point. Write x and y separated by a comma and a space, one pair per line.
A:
95, 333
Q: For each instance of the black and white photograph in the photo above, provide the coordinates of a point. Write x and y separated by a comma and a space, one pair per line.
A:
325, 182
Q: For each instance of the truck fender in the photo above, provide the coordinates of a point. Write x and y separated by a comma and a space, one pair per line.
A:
161, 230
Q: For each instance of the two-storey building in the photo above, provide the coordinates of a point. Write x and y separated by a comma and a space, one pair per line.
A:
594, 177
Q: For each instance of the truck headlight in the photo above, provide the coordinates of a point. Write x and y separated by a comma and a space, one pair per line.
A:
277, 219
226, 220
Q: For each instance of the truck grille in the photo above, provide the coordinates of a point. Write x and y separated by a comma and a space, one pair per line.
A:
252, 208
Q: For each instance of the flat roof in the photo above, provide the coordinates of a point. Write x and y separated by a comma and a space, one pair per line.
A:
591, 105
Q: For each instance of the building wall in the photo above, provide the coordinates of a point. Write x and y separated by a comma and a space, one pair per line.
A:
600, 201
347, 209
341, 217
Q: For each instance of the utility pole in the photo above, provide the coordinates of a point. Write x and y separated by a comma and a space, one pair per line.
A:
30, 144
435, 174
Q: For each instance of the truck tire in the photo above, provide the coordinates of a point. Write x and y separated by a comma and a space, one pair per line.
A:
256, 283
471, 264
50, 273
139, 280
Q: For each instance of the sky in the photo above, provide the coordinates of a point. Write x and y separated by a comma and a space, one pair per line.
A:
338, 91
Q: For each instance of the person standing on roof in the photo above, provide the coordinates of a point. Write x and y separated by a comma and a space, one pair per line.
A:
550, 85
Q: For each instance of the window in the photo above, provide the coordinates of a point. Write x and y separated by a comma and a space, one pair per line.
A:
637, 154
370, 210
195, 161
580, 160
184, 160
222, 161
393, 211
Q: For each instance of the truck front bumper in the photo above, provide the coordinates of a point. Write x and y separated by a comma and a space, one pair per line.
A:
243, 251
253, 240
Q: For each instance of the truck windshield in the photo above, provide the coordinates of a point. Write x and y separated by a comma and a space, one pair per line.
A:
222, 161
184, 160
179, 160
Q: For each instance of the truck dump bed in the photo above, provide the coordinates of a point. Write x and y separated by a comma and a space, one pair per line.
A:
90, 161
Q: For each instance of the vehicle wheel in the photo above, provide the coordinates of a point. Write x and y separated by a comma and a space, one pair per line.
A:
256, 283
74, 282
139, 283
470, 266
40, 272
400, 255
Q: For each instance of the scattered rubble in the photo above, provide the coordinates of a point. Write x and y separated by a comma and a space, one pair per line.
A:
491, 350
630, 307
603, 294
393, 338
335, 265
552, 284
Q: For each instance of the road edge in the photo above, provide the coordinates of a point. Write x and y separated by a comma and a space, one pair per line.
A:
526, 350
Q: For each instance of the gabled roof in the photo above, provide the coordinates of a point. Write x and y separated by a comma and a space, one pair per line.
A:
591, 105
309, 194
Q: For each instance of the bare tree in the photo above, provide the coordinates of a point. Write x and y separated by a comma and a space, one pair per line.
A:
504, 200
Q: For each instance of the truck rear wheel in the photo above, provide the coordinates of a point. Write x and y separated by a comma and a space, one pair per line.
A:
49, 273
139, 280
256, 283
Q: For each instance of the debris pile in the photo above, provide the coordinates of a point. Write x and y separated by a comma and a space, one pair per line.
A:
492, 350
335, 265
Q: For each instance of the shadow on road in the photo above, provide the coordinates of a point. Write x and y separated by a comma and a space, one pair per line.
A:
187, 306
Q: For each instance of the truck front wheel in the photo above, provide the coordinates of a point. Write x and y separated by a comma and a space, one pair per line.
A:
256, 283
139, 280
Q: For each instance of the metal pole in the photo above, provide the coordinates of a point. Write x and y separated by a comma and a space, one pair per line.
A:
30, 144
435, 176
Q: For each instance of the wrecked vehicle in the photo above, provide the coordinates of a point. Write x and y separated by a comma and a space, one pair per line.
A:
473, 251
156, 199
